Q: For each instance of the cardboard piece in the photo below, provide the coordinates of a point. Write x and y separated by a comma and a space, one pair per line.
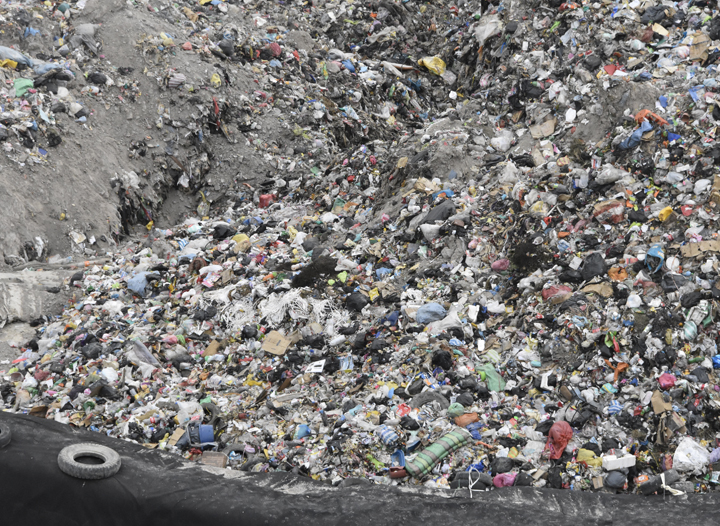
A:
691, 250
177, 435
214, 458
386, 289
603, 289
425, 185
699, 47
538, 158
212, 348
660, 30
659, 404
546, 129
376, 249
275, 343
676, 423
315, 328
540, 473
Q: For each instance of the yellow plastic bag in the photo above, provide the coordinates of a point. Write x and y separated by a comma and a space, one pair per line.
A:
665, 213
242, 243
539, 208
215, 80
166, 40
434, 64
587, 456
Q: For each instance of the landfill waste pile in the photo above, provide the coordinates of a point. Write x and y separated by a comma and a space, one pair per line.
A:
464, 246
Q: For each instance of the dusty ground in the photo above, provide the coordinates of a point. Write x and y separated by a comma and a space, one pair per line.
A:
77, 179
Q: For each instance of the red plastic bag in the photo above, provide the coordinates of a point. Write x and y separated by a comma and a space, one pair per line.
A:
500, 264
558, 438
666, 381
504, 480
555, 291
265, 200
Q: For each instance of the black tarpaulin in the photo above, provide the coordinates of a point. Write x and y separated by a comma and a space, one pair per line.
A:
155, 488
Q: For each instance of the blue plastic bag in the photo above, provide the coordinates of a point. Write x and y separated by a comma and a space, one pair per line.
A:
636, 138
716, 361
301, 431
430, 312
138, 283
15, 56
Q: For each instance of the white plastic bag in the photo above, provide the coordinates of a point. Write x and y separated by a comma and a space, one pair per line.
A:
448, 322
690, 456
187, 410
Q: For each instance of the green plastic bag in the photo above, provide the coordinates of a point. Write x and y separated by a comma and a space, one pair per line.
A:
492, 378
22, 85
455, 410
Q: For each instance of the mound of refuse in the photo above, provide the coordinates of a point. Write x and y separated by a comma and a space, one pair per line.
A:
452, 246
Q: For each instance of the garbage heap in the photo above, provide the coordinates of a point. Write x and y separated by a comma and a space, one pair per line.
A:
488, 256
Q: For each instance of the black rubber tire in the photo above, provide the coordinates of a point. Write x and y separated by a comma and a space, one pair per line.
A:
427, 397
69, 466
5, 435
234, 448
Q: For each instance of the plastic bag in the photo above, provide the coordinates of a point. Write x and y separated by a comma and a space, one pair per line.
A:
594, 265
716, 361
609, 212
690, 457
558, 437
503, 141
610, 174
556, 291
588, 457
615, 480
430, 312
488, 26
143, 353
138, 283
186, 410
42, 68
22, 86
504, 480
655, 258
7, 53
666, 381
450, 321
434, 64
492, 378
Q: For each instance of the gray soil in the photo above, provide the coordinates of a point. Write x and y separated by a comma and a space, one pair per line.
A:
75, 189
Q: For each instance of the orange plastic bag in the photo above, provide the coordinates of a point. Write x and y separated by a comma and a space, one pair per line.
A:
618, 274
466, 419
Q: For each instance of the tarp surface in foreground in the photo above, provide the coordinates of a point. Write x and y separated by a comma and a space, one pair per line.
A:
155, 488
